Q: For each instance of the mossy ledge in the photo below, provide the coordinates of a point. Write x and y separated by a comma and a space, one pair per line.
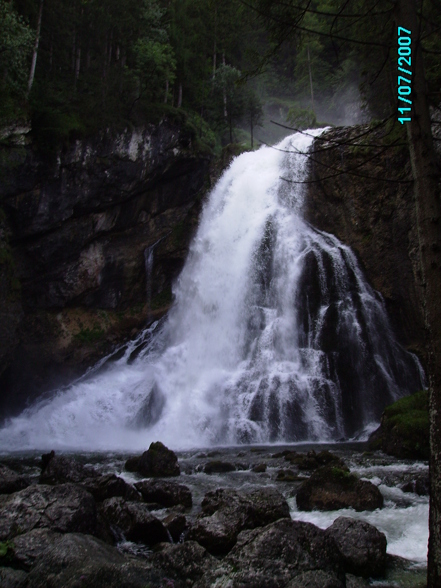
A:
404, 428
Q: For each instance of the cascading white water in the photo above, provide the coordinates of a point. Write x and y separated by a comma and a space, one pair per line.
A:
274, 336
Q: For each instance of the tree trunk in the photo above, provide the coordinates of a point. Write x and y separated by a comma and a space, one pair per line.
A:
310, 80
252, 138
35, 52
166, 92
225, 96
214, 44
180, 95
428, 214
78, 53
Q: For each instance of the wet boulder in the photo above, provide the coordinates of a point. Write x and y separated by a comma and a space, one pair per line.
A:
218, 467
316, 579
11, 578
165, 493
30, 547
287, 476
64, 508
134, 521
109, 486
176, 525
356, 582
10, 481
278, 554
259, 468
60, 469
226, 512
158, 461
187, 560
332, 488
81, 560
313, 460
363, 546
404, 428
419, 485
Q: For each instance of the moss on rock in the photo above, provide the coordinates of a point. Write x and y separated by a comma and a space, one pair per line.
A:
404, 428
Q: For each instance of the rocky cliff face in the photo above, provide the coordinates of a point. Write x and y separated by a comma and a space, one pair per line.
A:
375, 215
75, 238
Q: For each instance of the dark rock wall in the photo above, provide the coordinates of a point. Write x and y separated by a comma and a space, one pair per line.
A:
73, 233
375, 217
72, 240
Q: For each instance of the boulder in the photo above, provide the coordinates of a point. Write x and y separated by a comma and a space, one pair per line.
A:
316, 579
65, 508
108, 486
404, 428
11, 578
218, 467
156, 461
11, 482
259, 468
226, 512
287, 476
363, 546
274, 556
30, 547
312, 460
356, 582
332, 488
165, 493
189, 561
134, 520
176, 525
60, 469
83, 561
419, 485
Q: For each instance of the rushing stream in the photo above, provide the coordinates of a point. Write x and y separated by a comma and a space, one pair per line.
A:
275, 336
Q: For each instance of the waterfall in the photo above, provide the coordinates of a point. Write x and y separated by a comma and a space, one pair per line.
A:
274, 336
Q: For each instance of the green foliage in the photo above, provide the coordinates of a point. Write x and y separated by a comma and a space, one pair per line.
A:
15, 47
163, 299
301, 118
155, 64
89, 336
418, 402
343, 476
6, 550
405, 427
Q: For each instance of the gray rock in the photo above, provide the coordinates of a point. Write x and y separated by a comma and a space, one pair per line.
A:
363, 546
158, 460
355, 582
109, 486
65, 508
227, 512
176, 524
11, 482
29, 547
419, 485
165, 493
259, 468
332, 488
134, 520
59, 469
316, 579
10, 578
84, 561
184, 562
218, 467
275, 556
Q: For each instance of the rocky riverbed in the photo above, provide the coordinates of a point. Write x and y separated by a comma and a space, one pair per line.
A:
299, 517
